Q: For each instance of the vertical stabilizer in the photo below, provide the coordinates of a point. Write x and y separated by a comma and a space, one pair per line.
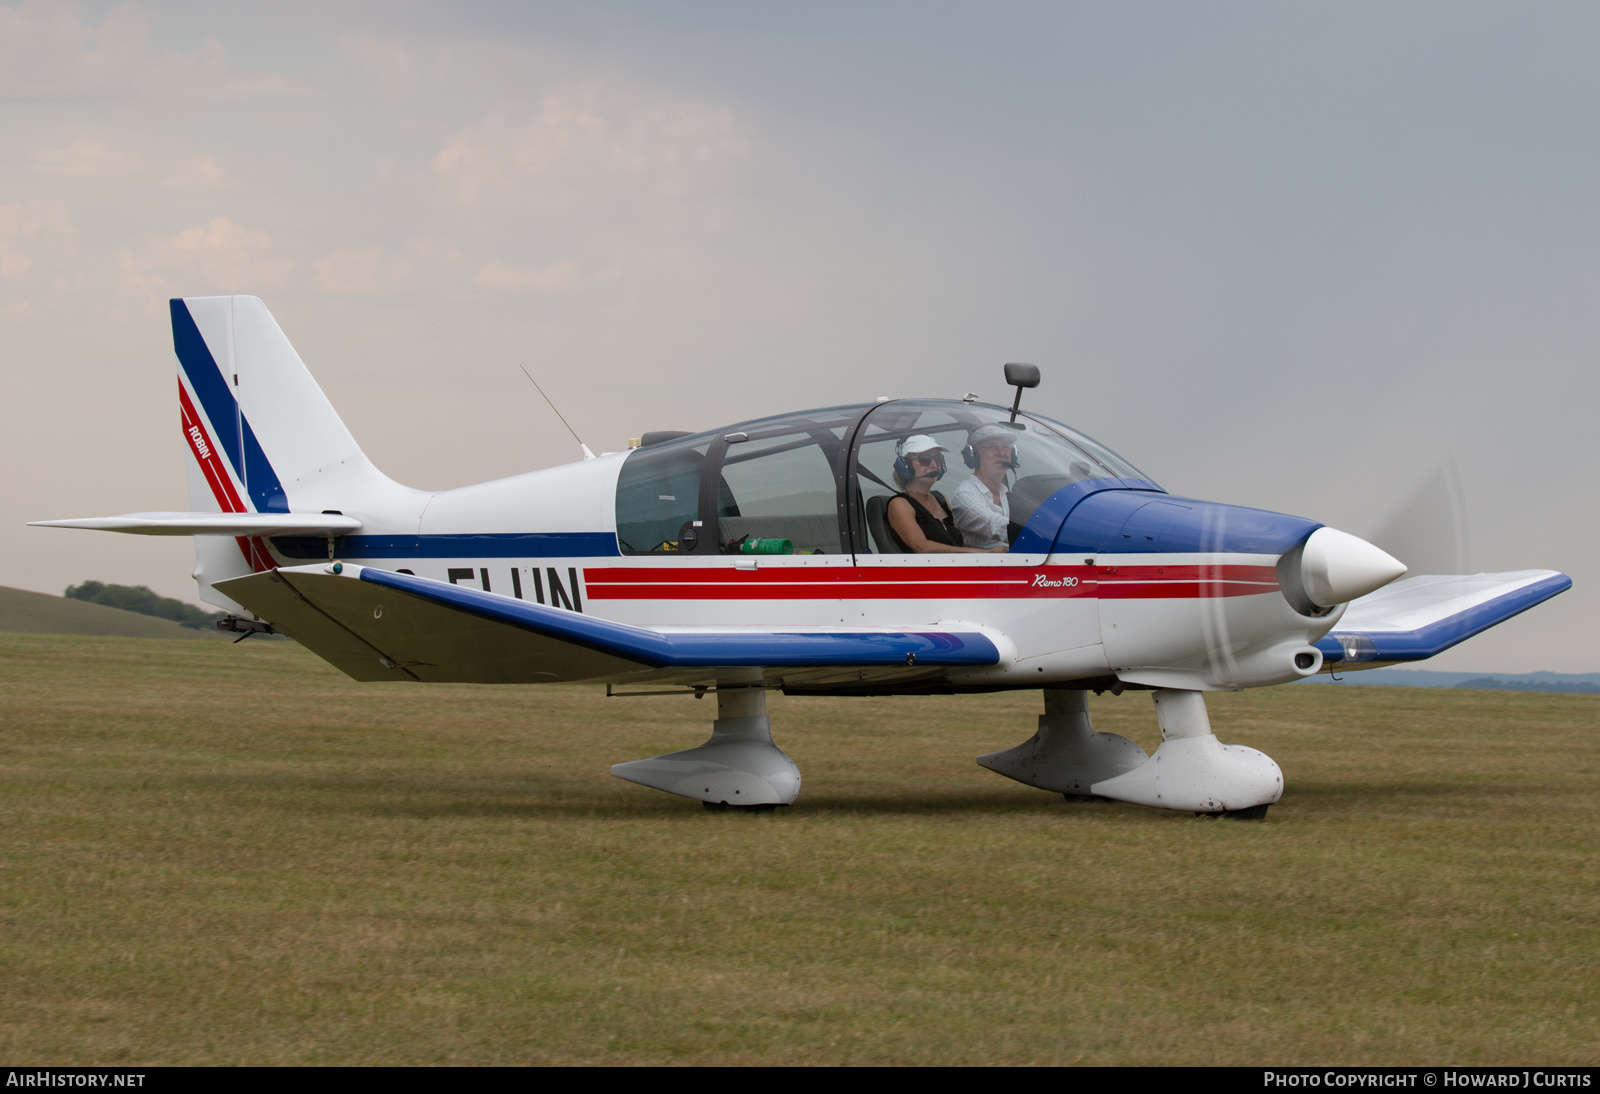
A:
260, 434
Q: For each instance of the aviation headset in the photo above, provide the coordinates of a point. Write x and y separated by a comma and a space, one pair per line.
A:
969, 455
902, 466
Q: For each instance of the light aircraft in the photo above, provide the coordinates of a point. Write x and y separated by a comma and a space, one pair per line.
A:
761, 556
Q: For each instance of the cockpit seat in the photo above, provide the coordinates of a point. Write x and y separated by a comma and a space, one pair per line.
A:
878, 524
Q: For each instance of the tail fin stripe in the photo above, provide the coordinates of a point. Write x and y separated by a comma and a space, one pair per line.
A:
209, 386
261, 481
238, 441
205, 451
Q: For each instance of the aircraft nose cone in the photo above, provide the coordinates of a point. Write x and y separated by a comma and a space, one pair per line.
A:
1337, 567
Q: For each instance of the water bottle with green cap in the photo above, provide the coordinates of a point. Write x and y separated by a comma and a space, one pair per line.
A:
766, 547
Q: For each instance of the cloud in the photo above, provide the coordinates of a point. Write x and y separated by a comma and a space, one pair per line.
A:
97, 159
28, 230
378, 271
196, 172
498, 275
223, 256
48, 52
587, 142
389, 66
86, 159
374, 271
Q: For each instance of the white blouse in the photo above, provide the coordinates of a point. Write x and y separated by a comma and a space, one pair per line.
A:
982, 522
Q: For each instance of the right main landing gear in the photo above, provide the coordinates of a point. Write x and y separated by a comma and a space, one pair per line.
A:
738, 768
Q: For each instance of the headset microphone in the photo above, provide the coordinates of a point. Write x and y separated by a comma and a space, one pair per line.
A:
919, 444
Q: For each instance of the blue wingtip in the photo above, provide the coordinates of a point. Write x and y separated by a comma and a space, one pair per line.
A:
1351, 648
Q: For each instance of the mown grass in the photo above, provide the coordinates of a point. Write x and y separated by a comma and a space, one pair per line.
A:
231, 854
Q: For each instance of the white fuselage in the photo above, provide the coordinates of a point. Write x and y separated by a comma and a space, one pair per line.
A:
1195, 620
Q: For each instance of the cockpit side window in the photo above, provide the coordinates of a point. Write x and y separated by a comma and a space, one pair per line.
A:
658, 495
778, 489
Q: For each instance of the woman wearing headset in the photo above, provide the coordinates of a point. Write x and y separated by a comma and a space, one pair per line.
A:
919, 515
981, 505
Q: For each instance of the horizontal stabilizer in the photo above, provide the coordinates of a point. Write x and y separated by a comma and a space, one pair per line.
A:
1417, 617
213, 524
379, 625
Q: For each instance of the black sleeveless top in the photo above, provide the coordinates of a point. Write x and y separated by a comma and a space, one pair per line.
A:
935, 530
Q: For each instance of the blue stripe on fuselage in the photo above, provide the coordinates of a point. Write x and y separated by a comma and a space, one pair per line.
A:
486, 545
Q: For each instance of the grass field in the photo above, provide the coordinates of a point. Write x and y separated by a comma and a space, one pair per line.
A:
231, 854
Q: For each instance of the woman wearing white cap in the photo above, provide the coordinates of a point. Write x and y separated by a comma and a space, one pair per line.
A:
981, 505
919, 515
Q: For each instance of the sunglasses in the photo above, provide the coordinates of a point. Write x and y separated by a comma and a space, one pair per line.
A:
927, 460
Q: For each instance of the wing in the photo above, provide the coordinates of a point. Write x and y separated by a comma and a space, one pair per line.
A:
1417, 617
378, 625
213, 524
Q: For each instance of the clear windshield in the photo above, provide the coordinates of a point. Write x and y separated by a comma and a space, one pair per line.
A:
1045, 456
1115, 464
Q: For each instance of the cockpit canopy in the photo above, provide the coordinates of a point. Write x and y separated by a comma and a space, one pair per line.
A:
820, 479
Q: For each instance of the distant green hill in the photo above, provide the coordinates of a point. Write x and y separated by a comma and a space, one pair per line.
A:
1582, 683
145, 601
40, 613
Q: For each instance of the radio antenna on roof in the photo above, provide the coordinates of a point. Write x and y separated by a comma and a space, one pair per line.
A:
586, 453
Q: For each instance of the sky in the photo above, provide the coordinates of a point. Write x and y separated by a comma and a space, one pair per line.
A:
1340, 261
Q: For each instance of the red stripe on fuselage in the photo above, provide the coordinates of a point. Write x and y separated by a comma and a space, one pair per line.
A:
926, 582
1185, 582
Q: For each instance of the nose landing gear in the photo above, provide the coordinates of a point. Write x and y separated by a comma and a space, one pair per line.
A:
1191, 770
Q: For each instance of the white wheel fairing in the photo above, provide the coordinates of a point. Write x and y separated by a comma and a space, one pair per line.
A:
1192, 770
